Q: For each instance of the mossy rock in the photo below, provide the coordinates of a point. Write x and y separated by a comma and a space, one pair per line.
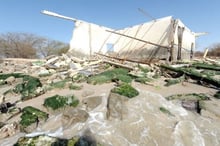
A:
75, 87
217, 95
55, 102
59, 84
202, 65
144, 69
125, 90
28, 87
190, 96
110, 75
143, 80
170, 82
16, 75
43, 140
31, 115
78, 78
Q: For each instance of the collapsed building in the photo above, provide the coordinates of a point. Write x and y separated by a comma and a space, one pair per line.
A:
165, 38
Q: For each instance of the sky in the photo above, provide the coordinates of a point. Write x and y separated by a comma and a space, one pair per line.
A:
25, 16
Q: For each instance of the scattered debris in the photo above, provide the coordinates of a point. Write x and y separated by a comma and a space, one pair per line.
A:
9, 130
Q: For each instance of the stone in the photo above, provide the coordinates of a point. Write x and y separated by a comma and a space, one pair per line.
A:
92, 102
192, 105
212, 106
116, 107
73, 116
9, 130
10, 80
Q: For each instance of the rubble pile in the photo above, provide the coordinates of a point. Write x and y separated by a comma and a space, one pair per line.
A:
23, 81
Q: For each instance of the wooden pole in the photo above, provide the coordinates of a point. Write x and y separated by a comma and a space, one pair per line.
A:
205, 53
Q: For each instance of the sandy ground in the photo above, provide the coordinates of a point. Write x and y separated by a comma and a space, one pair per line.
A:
96, 90
181, 88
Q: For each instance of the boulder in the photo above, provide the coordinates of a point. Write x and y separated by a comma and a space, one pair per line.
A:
192, 105
92, 102
116, 107
73, 116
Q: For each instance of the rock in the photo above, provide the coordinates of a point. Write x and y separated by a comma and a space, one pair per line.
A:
9, 130
10, 80
5, 106
2, 99
85, 141
212, 106
208, 114
116, 107
36, 141
92, 102
44, 140
73, 116
192, 105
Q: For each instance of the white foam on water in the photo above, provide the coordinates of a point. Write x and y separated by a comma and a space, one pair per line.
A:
186, 133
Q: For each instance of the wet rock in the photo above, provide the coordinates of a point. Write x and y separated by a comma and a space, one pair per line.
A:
192, 105
36, 141
92, 102
73, 116
32, 117
44, 140
4, 107
86, 141
116, 106
9, 130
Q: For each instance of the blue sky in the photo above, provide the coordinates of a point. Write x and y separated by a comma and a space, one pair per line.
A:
25, 16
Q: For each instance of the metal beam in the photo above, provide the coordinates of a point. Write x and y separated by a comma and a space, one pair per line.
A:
58, 15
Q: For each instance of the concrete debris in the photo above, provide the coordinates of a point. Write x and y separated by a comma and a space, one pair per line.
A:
9, 130
10, 80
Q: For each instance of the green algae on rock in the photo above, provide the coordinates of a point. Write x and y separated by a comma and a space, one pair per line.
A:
57, 101
125, 90
32, 115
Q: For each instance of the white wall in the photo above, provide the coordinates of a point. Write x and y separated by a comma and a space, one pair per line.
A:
89, 37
